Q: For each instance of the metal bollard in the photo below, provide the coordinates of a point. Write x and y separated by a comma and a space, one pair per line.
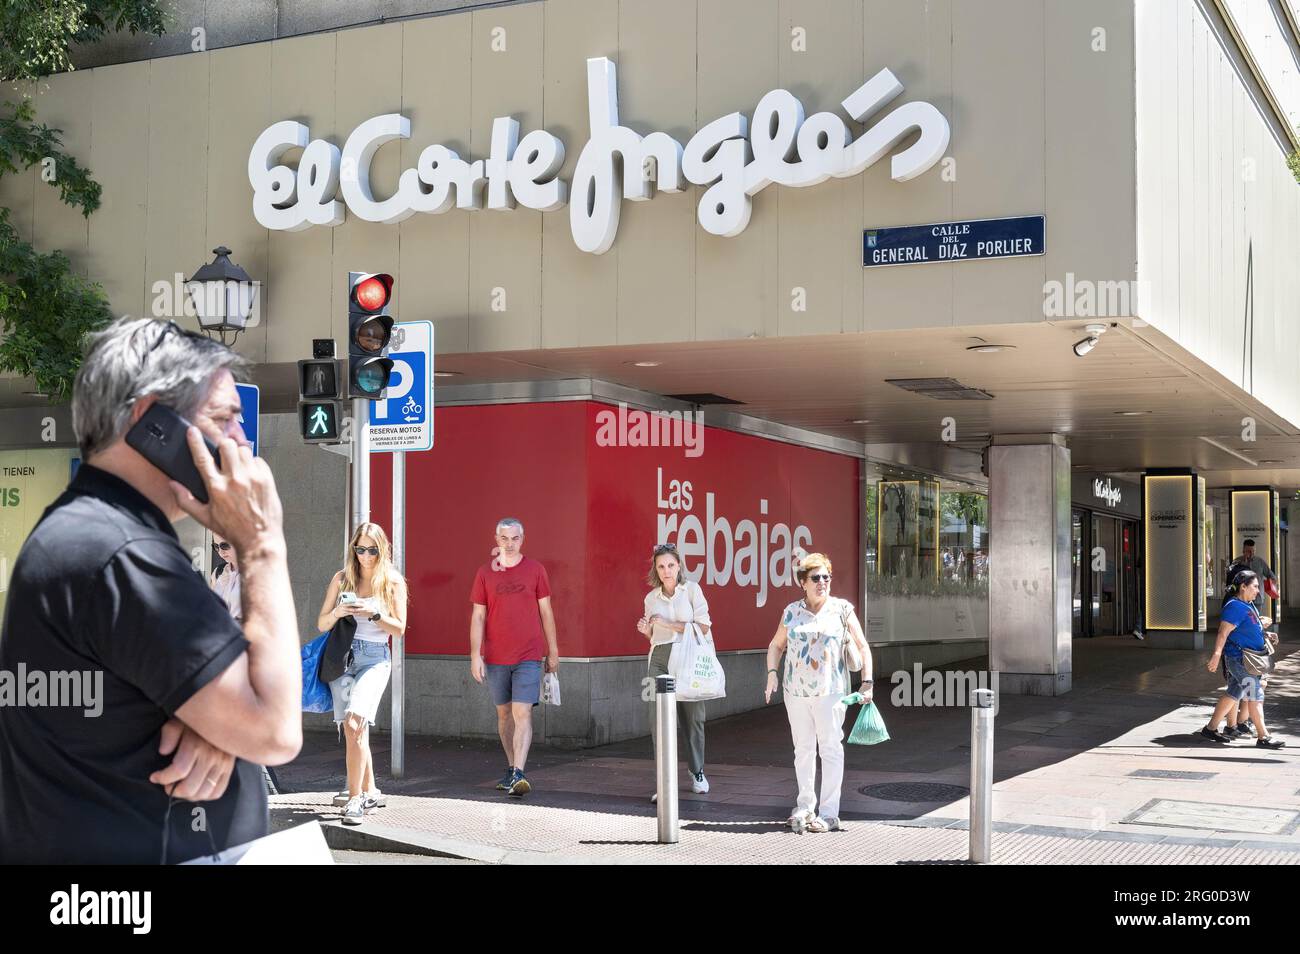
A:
666, 757
981, 776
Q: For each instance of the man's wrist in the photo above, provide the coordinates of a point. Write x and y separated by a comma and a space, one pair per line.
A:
263, 549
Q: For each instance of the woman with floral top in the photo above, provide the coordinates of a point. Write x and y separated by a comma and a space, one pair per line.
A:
813, 634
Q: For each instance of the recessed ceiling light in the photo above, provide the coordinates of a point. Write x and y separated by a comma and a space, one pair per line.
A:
1272, 462
1131, 413
446, 374
39, 394
645, 364
990, 348
859, 420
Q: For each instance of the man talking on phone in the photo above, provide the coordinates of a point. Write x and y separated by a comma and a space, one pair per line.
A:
191, 704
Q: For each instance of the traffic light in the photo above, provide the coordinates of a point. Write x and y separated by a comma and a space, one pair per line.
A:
319, 421
369, 328
319, 409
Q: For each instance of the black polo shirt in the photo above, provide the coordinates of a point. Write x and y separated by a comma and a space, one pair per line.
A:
102, 586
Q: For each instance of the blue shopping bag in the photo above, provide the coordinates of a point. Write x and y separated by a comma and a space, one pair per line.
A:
316, 695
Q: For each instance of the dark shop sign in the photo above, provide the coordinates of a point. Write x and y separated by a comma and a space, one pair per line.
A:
953, 241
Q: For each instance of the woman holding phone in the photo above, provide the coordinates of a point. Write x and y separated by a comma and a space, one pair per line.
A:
370, 590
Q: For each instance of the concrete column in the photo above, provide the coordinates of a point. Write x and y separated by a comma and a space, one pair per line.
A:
1029, 564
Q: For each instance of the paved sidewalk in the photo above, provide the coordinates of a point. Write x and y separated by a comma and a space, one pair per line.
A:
1109, 774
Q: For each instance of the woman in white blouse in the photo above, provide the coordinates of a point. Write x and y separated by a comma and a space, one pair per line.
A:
813, 634
673, 602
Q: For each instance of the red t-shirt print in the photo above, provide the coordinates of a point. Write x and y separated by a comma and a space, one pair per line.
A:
513, 633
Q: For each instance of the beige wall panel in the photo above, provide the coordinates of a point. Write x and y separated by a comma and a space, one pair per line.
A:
433, 250
368, 82
999, 151
579, 291
656, 239
178, 201
505, 247
914, 42
18, 189
302, 88
119, 158
1090, 165
239, 110
820, 228
66, 106
736, 278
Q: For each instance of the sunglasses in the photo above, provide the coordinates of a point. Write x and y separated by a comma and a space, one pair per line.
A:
362, 551
223, 547
820, 577
664, 548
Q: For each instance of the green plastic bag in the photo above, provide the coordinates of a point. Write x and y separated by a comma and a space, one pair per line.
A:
870, 727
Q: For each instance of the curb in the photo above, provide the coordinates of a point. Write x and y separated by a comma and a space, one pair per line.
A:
405, 841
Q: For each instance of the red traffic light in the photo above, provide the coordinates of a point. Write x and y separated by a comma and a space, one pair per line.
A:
372, 292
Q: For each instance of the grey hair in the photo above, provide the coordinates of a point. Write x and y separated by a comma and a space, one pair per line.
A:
134, 358
510, 522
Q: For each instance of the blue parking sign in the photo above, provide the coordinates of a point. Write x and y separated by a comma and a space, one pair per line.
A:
403, 420
249, 397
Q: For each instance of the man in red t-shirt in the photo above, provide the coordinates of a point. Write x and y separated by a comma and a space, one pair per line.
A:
512, 614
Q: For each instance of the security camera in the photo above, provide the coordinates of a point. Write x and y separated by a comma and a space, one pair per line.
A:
1081, 348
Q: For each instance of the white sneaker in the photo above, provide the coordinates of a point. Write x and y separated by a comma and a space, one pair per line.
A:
699, 784
354, 812
374, 799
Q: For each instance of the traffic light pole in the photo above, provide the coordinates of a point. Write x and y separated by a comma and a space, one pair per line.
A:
399, 645
360, 462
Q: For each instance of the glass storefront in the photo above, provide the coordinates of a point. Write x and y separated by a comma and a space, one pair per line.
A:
926, 560
1104, 557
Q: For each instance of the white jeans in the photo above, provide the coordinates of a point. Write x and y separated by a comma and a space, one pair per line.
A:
817, 723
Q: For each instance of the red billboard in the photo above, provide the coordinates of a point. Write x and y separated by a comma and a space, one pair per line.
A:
596, 487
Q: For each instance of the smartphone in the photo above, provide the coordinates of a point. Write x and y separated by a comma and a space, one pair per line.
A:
346, 597
159, 436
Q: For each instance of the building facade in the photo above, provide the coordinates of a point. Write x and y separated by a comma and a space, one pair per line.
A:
932, 273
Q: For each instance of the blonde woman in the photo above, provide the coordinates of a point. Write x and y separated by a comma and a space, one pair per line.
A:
812, 635
370, 590
672, 602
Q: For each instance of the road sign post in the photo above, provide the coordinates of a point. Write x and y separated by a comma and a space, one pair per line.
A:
402, 422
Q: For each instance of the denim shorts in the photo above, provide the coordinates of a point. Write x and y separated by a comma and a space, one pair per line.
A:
520, 683
362, 684
1241, 684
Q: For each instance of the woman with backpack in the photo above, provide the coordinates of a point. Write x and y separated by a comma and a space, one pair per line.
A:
1241, 645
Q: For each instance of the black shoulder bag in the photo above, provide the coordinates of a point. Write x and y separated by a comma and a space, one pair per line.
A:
334, 660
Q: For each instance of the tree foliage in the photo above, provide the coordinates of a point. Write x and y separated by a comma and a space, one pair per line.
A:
46, 309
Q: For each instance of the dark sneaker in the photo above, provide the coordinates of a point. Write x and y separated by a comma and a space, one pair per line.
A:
519, 786
504, 784
1214, 736
1268, 742
1243, 729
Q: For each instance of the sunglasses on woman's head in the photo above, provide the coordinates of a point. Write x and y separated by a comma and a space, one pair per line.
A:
663, 548
223, 547
362, 551
820, 577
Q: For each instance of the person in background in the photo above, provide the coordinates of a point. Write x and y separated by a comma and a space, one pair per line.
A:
1240, 628
376, 598
511, 637
673, 602
812, 635
224, 581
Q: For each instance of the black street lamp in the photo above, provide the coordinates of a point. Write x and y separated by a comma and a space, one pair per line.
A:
224, 296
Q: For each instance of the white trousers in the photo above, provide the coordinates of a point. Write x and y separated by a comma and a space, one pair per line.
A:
817, 724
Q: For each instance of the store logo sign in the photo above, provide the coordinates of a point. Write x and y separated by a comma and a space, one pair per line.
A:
734, 158
1105, 490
